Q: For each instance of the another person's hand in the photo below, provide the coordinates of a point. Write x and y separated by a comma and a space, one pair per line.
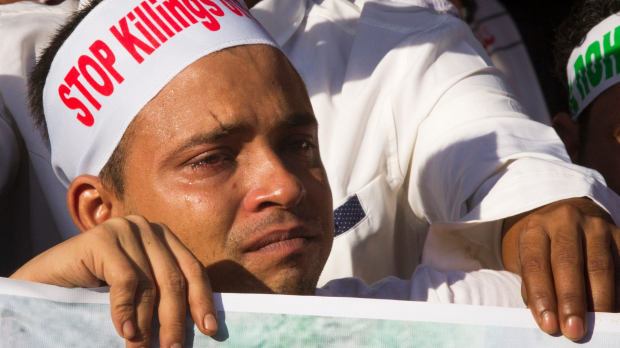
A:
145, 265
567, 255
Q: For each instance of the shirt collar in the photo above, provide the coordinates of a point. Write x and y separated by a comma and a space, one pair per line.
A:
283, 24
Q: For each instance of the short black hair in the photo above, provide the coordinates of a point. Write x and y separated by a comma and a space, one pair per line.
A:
585, 15
112, 173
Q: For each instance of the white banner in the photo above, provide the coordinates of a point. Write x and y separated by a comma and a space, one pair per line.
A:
35, 315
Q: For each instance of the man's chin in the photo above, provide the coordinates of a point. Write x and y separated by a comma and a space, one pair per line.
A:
292, 282
231, 277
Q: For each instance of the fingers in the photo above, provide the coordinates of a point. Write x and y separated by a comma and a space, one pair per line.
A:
171, 285
145, 263
599, 266
539, 293
615, 251
124, 266
200, 295
568, 268
124, 284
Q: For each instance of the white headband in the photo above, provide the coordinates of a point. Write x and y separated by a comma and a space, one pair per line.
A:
591, 68
118, 58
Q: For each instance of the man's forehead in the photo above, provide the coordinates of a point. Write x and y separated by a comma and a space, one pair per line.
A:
238, 89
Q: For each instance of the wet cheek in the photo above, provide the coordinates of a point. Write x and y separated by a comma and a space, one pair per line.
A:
205, 223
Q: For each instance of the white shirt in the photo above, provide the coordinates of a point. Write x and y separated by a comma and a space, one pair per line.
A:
25, 29
480, 288
498, 34
418, 128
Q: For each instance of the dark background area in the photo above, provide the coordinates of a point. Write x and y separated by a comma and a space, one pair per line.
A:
538, 21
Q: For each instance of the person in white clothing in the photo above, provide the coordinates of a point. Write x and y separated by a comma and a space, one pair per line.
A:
220, 142
41, 217
428, 152
590, 133
494, 27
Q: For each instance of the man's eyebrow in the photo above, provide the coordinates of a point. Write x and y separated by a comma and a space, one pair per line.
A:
299, 120
222, 131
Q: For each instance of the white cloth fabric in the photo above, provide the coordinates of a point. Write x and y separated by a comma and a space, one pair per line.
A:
499, 35
415, 121
25, 28
480, 288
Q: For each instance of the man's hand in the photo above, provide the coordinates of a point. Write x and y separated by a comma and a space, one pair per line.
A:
145, 265
567, 255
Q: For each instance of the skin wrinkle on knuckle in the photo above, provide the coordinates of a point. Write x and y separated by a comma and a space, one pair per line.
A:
567, 212
534, 223
176, 325
570, 298
599, 224
566, 259
123, 309
533, 265
104, 233
530, 237
147, 295
599, 265
195, 270
122, 224
126, 279
563, 248
175, 283
599, 236
541, 300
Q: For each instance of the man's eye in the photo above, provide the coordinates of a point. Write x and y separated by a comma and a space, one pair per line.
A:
210, 160
302, 145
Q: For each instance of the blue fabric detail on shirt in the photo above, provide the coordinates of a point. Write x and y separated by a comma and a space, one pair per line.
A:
348, 215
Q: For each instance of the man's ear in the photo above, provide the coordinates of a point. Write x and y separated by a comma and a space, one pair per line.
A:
90, 204
568, 130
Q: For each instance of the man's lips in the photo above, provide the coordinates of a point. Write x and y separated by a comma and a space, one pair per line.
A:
281, 239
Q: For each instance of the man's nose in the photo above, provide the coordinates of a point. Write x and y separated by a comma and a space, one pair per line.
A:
274, 186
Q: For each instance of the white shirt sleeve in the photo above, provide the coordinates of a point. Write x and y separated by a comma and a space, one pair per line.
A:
477, 157
25, 29
483, 288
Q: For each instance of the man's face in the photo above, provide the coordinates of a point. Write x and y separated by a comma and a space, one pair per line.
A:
601, 150
227, 156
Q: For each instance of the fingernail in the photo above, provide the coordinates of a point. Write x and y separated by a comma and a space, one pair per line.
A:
176, 345
549, 323
128, 330
574, 328
210, 323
